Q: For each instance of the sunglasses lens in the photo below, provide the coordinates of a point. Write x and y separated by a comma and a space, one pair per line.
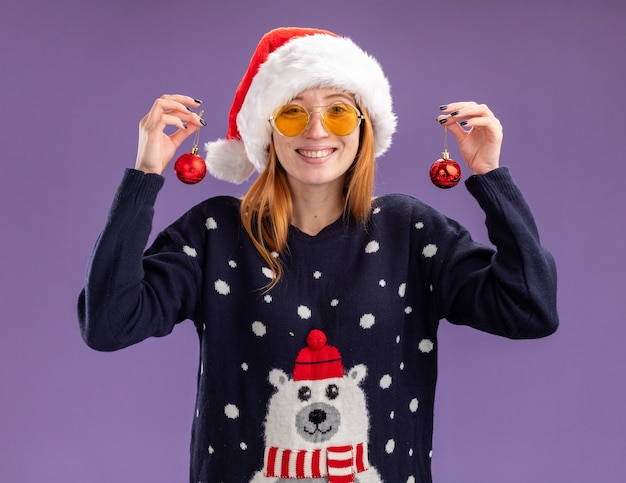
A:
341, 119
291, 119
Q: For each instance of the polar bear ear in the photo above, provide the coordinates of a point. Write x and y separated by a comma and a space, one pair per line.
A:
278, 378
358, 373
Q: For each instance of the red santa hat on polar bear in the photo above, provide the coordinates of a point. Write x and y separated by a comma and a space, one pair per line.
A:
318, 360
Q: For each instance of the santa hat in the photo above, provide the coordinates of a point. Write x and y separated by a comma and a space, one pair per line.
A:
318, 360
286, 62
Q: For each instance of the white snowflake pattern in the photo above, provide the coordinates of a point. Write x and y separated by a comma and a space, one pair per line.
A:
243, 446
413, 405
426, 346
317, 274
382, 283
372, 247
408, 310
259, 329
222, 287
402, 289
211, 450
268, 273
419, 225
390, 446
210, 223
385, 381
304, 312
376, 210
429, 250
190, 251
231, 411
392, 415
334, 303
267, 299
244, 366
367, 321
410, 479
232, 263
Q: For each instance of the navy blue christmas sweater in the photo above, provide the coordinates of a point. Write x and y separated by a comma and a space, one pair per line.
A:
330, 375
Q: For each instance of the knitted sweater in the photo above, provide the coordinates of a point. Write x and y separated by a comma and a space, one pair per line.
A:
355, 403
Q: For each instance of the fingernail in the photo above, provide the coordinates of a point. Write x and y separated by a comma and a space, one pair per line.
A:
189, 109
443, 121
443, 107
197, 101
463, 123
454, 113
203, 122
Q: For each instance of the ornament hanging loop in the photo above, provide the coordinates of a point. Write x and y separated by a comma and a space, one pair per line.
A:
196, 137
445, 155
190, 168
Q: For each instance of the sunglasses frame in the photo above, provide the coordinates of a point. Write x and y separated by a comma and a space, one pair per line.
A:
272, 118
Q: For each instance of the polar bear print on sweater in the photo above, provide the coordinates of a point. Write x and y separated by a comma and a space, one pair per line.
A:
317, 424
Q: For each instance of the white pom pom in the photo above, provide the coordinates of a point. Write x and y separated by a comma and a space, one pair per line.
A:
227, 160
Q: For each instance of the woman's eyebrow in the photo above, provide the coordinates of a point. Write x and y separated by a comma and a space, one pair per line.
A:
330, 97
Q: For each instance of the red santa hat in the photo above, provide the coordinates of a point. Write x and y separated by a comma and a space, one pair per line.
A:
286, 62
318, 360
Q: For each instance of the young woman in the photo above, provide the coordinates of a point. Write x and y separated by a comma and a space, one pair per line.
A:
316, 305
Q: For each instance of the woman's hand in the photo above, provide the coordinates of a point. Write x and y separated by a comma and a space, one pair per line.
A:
480, 144
156, 149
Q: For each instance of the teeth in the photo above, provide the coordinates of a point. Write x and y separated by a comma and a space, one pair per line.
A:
316, 154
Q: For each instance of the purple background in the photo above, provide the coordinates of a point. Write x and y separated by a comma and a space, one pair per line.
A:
76, 77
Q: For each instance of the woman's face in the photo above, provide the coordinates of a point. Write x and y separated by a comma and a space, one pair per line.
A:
316, 157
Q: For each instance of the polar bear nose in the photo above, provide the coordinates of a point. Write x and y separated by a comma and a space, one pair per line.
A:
318, 422
317, 416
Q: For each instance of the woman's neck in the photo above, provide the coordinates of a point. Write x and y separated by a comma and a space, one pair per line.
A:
314, 208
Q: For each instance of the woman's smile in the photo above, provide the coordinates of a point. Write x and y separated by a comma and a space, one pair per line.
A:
315, 153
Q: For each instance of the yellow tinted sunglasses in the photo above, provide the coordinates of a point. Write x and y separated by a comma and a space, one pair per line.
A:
340, 119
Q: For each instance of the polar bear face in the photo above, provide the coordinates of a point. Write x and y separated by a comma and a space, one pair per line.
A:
312, 414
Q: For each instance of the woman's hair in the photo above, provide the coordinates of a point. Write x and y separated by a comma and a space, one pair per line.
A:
267, 210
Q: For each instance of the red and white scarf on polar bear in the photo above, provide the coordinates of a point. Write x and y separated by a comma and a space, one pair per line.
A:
338, 463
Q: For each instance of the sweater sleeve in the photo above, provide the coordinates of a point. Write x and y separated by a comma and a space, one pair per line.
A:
128, 295
510, 291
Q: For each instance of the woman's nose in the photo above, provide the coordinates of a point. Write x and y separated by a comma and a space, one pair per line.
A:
315, 127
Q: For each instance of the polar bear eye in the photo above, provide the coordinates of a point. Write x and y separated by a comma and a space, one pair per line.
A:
304, 393
332, 391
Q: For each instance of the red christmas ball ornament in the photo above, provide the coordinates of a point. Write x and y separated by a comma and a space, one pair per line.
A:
190, 168
445, 172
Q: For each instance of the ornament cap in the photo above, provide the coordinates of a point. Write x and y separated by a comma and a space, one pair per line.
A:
194, 150
445, 154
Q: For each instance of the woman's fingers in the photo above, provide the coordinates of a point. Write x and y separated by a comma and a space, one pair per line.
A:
477, 131
466, 114
172, 110
156, 148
